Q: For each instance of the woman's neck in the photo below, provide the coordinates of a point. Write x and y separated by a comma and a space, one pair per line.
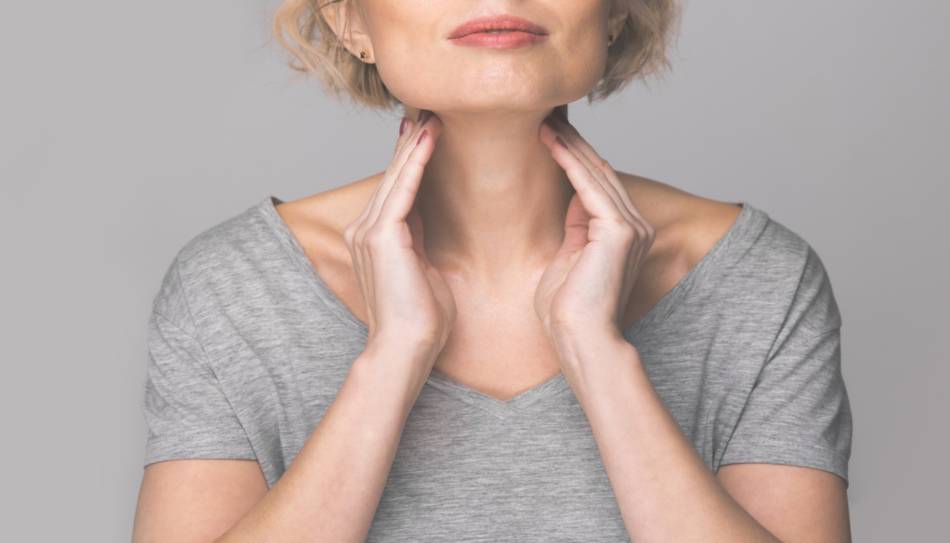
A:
492, 199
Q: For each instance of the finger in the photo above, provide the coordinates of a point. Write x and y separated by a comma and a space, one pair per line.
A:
608, 170
642, 228
370, 209
595, 173
360, 252
399, 162
404, 137
369, 215
575, 225
634, 257
595, 162
414, 220
401, 197
357, 258
405, 145
570, 139
592, 194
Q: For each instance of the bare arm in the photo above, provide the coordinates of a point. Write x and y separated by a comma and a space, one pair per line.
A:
331, 490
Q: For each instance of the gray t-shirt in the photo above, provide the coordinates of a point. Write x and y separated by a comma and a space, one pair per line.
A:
247, 347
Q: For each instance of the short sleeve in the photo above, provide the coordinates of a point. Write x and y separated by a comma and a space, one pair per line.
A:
798, 412
187, 414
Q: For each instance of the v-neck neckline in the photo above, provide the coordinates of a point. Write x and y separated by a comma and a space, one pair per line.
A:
748, 216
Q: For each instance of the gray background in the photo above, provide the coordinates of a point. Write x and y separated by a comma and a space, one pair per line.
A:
128, 127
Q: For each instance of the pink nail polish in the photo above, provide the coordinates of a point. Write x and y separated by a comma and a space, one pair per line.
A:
422, 136
560, 141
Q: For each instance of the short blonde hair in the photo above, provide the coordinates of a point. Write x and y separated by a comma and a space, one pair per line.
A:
640, 50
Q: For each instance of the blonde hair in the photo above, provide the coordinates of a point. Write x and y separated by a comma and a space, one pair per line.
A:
640, 50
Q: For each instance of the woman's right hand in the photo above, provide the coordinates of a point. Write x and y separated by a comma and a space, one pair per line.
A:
407, 300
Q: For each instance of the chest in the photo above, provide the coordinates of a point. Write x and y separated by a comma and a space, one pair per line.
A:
501, 353
497, 345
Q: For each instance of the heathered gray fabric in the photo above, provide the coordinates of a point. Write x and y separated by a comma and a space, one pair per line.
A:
247, 348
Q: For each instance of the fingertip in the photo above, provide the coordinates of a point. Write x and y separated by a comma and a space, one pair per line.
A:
547, 134
550, 142
407, 128
422, 136
434, 125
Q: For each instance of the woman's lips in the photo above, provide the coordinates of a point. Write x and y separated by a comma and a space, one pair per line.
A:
502, 31
501, 21
499, 39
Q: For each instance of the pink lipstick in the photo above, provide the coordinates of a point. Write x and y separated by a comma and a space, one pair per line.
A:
500, 31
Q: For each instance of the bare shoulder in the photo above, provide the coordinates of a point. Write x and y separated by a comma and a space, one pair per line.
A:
318, 220
332, 209
687, 224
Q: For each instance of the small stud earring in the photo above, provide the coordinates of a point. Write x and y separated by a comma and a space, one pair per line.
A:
362, 54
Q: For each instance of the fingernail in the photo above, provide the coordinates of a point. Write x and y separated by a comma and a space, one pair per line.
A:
402, 125
560, 142
422, 136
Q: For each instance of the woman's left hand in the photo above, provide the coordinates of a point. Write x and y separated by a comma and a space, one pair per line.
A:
585, 289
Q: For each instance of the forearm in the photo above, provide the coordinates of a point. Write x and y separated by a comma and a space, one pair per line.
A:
332, 489
664, 490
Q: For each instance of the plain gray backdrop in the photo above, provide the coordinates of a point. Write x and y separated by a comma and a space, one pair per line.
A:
126, 128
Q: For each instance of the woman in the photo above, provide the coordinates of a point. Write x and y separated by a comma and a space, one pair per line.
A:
499, 337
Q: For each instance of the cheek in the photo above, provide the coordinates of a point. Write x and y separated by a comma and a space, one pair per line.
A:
582, 43
586, 57
578, 63
415, 72
407, 52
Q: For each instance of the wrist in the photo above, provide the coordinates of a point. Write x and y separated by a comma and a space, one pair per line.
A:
401, 352
586, 351
392, 371
574, 339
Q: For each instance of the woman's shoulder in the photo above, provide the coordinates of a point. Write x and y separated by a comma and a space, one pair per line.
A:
246, 233
699, 222
317, 222
238, 236
690, 220
329, 211
690, 228
765, 260
215, 256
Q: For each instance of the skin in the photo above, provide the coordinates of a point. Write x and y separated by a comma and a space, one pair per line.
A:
474, 233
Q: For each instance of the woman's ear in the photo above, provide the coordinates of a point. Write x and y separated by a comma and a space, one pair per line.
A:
349, 27
617, 17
